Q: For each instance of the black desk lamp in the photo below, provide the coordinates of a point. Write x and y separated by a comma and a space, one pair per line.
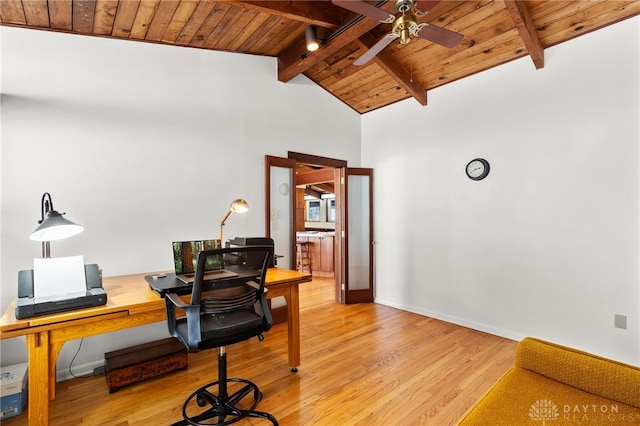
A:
237, 206
52, 226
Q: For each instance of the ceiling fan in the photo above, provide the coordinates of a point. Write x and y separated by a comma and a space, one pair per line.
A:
404, 26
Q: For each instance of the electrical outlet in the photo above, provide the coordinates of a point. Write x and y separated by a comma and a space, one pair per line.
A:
620, 321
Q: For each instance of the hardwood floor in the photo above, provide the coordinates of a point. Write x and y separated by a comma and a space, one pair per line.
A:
362, 364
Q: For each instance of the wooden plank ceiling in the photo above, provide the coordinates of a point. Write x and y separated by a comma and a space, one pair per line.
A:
495, 32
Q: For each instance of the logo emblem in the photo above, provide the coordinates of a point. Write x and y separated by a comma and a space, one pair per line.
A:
543, 409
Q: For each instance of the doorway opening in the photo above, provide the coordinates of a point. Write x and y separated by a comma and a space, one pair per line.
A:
318, 213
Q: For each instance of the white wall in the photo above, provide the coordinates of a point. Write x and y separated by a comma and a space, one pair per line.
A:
143, 144
547, 245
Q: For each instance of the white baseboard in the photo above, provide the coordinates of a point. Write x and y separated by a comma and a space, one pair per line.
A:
507, 334
78, 370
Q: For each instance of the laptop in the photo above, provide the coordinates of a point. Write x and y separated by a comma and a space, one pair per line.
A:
185, 256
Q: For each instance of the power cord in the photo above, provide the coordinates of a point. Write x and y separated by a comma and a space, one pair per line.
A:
74, 358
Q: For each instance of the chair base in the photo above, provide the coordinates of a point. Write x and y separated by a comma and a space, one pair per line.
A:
220, 411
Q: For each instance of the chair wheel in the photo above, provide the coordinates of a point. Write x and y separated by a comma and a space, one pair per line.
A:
260, 337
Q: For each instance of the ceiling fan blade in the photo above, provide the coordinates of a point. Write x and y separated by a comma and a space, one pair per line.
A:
362, 8
375, 49
426, 5
442, 36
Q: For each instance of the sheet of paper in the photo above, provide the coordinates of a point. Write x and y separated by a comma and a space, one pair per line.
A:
58, 276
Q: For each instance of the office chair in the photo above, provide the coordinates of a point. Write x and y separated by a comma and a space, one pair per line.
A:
220, 313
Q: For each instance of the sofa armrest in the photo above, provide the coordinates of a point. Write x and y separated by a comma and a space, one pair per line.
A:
590, 373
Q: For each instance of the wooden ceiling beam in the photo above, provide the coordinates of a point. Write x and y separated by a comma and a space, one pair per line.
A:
315, 177
521, 17
296, 60
320, 13
326, 187
312, 192
395, 70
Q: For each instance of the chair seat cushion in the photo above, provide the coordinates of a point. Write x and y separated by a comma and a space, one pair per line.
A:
221, 324
221, 329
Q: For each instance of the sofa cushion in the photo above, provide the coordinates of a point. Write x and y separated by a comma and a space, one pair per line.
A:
523, 397
591, 373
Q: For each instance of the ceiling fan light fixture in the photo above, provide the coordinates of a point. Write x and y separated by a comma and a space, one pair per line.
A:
311, 36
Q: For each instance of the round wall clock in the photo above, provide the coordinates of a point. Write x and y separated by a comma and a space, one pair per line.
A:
477, 169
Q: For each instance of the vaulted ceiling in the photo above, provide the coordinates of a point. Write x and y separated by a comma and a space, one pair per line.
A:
494, 32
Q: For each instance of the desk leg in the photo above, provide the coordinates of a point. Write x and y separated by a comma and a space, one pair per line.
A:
293, 327
54, 351
38, 347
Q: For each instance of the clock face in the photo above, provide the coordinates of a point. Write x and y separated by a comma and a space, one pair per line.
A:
477, 169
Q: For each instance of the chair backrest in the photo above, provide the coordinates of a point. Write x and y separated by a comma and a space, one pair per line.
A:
223, 311
244, 272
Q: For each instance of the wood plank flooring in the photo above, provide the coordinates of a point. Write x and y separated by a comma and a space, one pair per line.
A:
363, 364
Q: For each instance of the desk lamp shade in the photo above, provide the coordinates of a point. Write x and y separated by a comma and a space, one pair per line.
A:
52, 226
55, 227
237, 206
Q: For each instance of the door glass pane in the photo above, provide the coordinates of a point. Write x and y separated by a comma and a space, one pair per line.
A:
359, 232
281, 185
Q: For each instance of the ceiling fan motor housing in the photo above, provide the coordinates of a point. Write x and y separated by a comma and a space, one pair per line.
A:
403, 25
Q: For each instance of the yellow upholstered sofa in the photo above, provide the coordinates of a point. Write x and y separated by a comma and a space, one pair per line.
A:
554, 385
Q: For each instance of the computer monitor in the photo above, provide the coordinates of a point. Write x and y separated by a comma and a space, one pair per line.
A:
185, 256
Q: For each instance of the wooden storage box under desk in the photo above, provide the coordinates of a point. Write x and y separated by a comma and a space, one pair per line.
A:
137, 363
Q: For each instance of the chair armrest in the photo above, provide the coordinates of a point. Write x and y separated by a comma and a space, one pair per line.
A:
256, 286
176, 300
192, 312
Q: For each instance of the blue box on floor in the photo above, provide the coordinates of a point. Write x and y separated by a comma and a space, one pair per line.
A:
13, 389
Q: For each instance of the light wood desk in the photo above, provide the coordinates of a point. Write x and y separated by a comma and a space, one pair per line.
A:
130, 303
